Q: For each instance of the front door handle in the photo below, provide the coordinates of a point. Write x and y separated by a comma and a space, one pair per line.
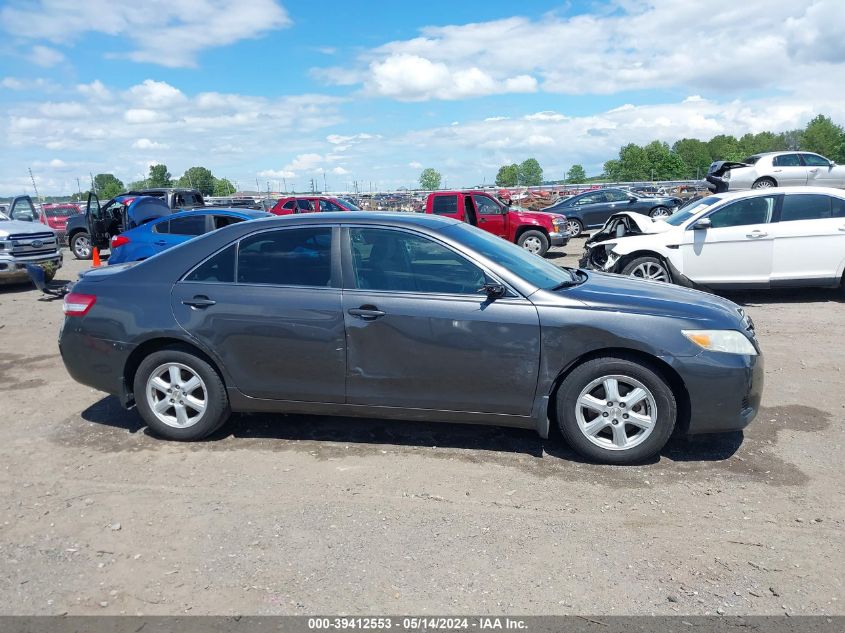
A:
368, 313
756, 234
199, 302
482, 219
160, 243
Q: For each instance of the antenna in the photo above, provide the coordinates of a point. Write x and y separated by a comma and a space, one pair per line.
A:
32, 178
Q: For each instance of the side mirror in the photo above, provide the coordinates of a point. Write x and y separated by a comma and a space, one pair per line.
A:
493, 290
832, 163
702, 224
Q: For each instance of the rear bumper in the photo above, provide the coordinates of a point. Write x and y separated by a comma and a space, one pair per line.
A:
724, 390
91, 361
558, 239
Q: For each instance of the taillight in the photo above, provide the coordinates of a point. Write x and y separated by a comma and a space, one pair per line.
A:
119, 240
76, 304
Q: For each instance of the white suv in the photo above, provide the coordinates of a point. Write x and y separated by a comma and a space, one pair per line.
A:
751, 239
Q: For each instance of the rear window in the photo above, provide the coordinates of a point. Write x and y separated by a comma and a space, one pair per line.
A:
444, 205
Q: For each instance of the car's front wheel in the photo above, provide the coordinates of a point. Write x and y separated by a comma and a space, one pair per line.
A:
180, 395
648, 268
616, 411
574, 227
534, 241
80, 244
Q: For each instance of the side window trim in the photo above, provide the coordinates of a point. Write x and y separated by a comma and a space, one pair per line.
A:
348, 266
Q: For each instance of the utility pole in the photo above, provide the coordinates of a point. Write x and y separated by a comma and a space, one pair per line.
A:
32, 178
79, 188
284, 180
257, 187
325, 186
93, 186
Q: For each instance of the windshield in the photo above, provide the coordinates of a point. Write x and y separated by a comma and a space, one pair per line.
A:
694, 208
533, 269
61, 212
348, 204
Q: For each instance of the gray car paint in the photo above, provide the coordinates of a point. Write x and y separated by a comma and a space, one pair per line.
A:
464, 359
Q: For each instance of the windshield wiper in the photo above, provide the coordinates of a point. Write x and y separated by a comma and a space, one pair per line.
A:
575, 279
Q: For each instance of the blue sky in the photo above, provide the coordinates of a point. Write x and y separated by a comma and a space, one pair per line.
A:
375, 91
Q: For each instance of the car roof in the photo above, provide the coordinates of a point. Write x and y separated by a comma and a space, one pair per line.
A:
252, 213
398, 219
754, 193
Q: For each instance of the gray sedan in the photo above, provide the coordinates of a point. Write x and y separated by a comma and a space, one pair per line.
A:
785, 169
408, 317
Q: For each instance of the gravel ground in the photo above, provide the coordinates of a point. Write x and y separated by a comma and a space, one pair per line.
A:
303, 515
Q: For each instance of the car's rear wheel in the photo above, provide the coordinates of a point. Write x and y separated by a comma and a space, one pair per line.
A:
660, 212
648, 268
574, 227
534, 242
616, 411
764, 183
80, 244
180, 395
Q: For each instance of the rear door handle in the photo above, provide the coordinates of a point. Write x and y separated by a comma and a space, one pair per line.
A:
366, 313
199, 302
756, 234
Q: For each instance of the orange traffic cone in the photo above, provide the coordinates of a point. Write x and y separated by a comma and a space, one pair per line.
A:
96, 257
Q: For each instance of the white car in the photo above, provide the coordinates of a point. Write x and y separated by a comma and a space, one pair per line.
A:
784, 169
751, 239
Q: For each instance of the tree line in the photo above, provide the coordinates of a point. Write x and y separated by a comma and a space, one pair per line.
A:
200, 178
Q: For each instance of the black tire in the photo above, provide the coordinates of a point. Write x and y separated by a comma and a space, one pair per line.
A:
764, 183
642, 267
77, 245
217, 401
660, 212
574, 227
643, 447
530, 238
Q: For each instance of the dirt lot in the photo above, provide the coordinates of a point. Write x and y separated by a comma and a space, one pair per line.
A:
298, 515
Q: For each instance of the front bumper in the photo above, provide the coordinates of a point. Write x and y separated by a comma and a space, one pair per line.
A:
724, 390
559, 239
13, 270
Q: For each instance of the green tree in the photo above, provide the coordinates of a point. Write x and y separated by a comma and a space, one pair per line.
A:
791, 139
530, 173
159, 177
198, 178
430, 179
508, 176
223, 187
695, 156
136, 184
576, 174
107, 186
823, 136
725, 147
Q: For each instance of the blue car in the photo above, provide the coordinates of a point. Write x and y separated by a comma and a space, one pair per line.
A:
164, 230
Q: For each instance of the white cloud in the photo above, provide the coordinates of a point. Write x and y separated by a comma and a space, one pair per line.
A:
143, 115
628, 45
37, 84
45, 56
155, 94
340, 171
415, 164
164, 32
280, 173
145, 143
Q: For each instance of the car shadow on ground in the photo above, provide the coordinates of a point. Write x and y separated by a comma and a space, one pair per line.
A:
784, 295
378, 433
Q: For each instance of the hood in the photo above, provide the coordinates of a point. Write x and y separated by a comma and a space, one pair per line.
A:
144, 209
628, 224
539, 216
11, 227
619, 293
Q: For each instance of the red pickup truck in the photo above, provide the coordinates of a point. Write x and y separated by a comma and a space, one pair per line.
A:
535, 232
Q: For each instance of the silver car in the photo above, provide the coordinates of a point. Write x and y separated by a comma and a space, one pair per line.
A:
785, 169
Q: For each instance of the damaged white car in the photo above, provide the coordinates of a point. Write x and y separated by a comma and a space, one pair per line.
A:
749, 239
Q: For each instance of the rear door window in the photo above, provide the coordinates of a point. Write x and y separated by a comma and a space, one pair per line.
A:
445, 205
805, 207
304, 205
218, 268
194, 225
289, 257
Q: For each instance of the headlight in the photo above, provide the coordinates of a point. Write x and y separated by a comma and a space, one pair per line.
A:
728, 341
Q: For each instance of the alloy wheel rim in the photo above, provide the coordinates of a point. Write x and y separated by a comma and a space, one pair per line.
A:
650, 270
82, 246
532, 244
616, 412
574, 228
763, 184
177, 395
661, 212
